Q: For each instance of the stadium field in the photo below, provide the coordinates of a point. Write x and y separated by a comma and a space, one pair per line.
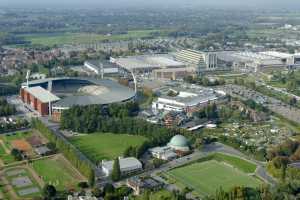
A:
207, 177
99, 146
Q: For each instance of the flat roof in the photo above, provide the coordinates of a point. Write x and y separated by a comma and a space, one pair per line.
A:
147, 61
125, 163
43, 95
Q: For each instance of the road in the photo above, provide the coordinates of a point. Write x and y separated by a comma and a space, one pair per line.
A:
208, 150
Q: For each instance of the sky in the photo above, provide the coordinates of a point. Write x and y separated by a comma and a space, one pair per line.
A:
144, 3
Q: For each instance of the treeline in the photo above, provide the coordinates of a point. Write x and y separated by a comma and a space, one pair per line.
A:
67, 150
201, 80
6, 109
117, 119
7, 90
281, 191
281, 156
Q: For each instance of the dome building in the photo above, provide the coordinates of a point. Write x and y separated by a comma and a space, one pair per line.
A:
179, 143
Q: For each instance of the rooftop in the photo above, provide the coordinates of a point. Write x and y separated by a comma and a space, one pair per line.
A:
42, 94
148, 61
125, 163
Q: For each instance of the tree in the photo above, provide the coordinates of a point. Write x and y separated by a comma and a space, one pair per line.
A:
49, 191
116, 172
17, 154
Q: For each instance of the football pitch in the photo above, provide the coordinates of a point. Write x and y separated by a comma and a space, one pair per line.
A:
99, 146
207, 177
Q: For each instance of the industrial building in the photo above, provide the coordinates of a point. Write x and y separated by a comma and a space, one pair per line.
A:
51, 96
173, 73
101, 67
163, 153
128, 166
257, 61
185, 99
147, 63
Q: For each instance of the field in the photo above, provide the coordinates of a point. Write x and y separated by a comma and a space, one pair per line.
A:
58, 172
208, 176
99, 146
82, 38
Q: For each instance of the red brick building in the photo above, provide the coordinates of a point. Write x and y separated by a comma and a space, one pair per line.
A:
38, 98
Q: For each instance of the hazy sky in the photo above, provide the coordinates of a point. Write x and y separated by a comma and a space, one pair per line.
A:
143, 3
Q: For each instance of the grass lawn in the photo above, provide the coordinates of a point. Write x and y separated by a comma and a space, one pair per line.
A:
6, 158
57, 172
86, 38
162, 194
99, 146
206, 177
239, 163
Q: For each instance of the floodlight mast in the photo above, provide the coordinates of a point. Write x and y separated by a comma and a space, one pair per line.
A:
27, 77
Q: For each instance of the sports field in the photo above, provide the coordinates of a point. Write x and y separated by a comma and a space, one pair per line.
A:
206, 177
99, 146
58, 172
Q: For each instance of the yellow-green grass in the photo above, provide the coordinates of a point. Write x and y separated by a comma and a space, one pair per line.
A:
58, 172
6, 158
100, 146
83, 38
208, 176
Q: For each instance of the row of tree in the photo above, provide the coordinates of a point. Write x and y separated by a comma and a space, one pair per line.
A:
67, 149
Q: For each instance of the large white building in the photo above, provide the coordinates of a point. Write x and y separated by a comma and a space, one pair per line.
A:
186, 99
202, 61
101, 67
256, 61
127, 166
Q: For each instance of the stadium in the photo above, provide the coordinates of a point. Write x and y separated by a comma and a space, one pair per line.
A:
51, 96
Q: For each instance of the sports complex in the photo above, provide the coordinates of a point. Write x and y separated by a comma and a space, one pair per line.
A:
51, 96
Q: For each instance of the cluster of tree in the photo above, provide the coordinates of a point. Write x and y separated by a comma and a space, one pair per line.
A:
291, 80
255, 106
201, 80
67, 149
288, 190
281, 156
136, 151
210, 112
6, 109
17, 154
90, 119
116, 172
110, 193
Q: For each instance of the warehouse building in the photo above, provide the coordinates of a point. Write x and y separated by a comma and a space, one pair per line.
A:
101, 67
128, 166
257, 61
39, 99
147, 63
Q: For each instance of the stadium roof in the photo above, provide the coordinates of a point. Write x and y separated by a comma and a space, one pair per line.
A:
43, 95
113, 92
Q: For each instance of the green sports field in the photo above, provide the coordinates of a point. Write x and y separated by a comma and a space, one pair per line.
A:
99, 146
58, 172
206, 177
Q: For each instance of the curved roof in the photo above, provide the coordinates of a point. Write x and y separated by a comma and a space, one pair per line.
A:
178, 141
114, 92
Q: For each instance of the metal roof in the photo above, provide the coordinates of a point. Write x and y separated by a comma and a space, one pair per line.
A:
43, 95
